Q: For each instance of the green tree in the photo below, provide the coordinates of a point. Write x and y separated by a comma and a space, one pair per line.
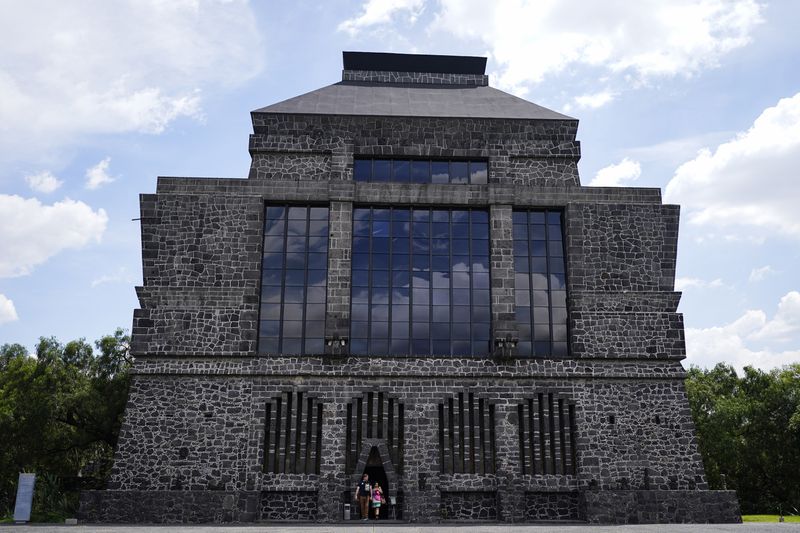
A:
60, 412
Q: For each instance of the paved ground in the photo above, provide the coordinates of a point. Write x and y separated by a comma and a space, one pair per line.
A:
411, 528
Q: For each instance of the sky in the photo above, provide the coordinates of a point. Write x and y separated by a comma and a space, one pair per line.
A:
700, 98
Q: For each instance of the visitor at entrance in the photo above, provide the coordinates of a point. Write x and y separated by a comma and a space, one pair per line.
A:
377, 499
362, 496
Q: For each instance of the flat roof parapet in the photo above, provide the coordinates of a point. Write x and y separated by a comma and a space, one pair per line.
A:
379, 67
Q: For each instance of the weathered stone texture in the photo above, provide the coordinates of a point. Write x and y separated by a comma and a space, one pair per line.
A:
438, 78
553, 506
191, 447
280, 166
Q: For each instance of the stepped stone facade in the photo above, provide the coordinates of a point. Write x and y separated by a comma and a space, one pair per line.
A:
581, 417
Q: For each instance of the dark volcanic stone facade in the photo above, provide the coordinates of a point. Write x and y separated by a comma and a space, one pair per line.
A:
607, 435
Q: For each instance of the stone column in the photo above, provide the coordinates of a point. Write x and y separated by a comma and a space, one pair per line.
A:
337, 323
502, 272
421, 463
332, 478
510, 493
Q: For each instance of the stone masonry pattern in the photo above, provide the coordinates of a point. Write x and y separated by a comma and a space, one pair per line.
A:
191, 446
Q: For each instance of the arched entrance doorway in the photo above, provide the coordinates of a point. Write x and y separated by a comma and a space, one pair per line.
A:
377, 473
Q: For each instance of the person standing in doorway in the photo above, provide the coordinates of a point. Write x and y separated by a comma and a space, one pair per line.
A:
362, 496
377, 500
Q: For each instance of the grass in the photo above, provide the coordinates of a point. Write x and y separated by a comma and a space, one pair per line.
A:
769, 518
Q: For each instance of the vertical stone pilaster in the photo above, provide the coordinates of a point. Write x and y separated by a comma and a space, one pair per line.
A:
421, 463
510, 495
337, 323
502, 270
332, 478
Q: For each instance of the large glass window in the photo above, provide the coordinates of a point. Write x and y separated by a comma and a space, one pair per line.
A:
293, 280
420, 282
420, 171
541, 288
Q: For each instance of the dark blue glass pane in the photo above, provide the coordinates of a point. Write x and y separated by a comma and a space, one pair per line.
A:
318, 227
294, 294
538, 248
421, 279
480, 297
521, 248
480, 231
440, 172
539, 281
421, 346
421, 215
440, 347
401, 215
440, 263
380, 278
383, 215
275, 213
559, 333
360, 245
480, 263
461, 331
441, 313
318, 213
314, 346
525, 332
270, 295
360, 295
400, 278
440, 246
381, 170
379, 330
460, 247
360, 261
524, 315
315, 295
362, 169
399, 346
400, 313
400, 262
440, 330
440, 230
480, 280
460, 217
521, 281
400, 228
380, 228
270, 312
400, 245
480, 347
318, 244
360, 313
421, 229
440, 215
557, 282
524, 348
361, 228
521, 264
535, 217
380, 295
296, 260
420, 296
271, 277
556, 248
420, 314
420, 245
519, 217
440, 279
268, 344
293, 311
401, 171
461, 313
478, 173
421, 329
420, 172
298, 213
461, 296
538, 232
295, 277
461, 263
461, 280
554, 218
520, 232
317, 278
442, 297
559, 315
380, 262
401, 295
541, 349
539, 264
541, 298
380, 245
297, 228
460, 231
459, 172
559, 349
358, 346
461, 347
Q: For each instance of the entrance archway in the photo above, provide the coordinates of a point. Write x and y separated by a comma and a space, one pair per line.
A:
376, 462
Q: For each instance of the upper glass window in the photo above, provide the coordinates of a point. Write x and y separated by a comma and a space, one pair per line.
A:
540, 284
293, 280
415, 171
420, 282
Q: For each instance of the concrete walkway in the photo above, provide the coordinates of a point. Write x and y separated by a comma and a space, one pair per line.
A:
413, 528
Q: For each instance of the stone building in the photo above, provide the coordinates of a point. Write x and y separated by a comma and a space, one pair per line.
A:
412, 283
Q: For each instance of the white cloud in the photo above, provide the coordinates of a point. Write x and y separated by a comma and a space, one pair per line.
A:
31, 233
43, 182
732, 343
634, 42
617, 175
113, 67
376, 12
7, 311
761, 273
120, 276
681, 284
593, 101
97, 175
750, 181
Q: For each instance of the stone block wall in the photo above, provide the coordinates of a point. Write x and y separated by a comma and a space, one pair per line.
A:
191, 447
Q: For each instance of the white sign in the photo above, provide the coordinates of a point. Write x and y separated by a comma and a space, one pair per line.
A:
22, 510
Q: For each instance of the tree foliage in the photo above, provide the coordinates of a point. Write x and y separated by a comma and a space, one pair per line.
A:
60, 413
749, 431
